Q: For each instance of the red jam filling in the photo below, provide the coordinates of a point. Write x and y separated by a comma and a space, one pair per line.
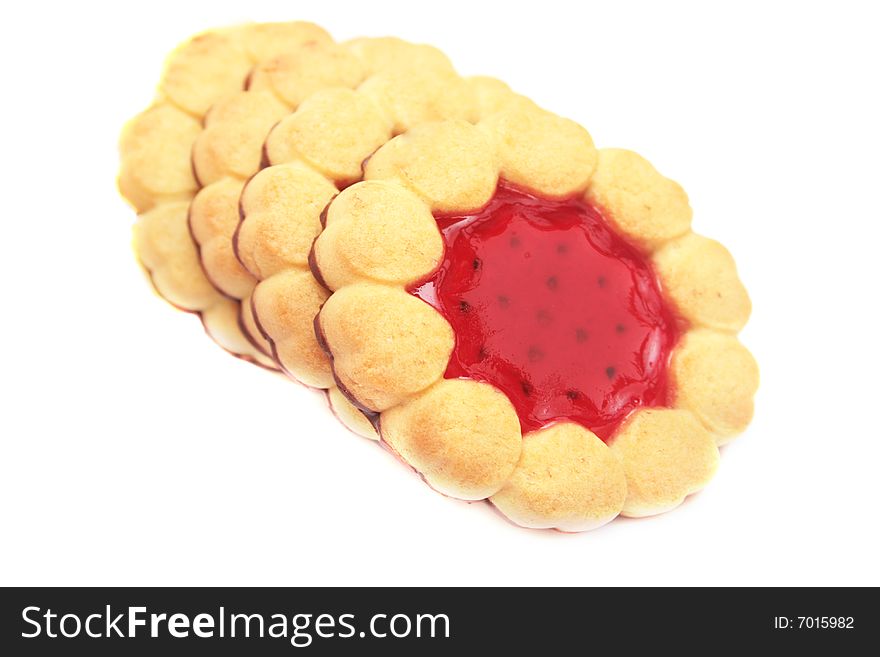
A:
555, 309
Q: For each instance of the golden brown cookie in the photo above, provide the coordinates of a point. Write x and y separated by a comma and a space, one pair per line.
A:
667, 454
566, 479
509, 270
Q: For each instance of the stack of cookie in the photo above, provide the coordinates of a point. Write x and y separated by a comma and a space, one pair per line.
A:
519, 316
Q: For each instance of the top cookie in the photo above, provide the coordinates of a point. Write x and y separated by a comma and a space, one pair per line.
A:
534, 321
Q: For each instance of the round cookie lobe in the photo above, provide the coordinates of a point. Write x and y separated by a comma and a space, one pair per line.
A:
213, 219
416, 96
385, 344
161, 239
566, 479
715, 377
154, 152
643, 205
666, 455
334, 131
231, 143
295, 76
285, 305
541, 151
208, 67
378, 231
451, 164
462, 436
699, 276
281, 208
265, 40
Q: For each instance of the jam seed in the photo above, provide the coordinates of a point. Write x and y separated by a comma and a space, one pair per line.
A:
503, 301
581, 335
609, 372
464, 306
620, 328
526, 388
602, 282
572, 394
535, 353
552, 283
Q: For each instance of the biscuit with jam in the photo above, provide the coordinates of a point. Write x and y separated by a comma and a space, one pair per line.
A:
532, 321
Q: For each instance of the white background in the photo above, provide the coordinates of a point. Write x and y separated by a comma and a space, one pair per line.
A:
134, 451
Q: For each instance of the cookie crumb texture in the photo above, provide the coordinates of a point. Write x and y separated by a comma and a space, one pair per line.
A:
533, 320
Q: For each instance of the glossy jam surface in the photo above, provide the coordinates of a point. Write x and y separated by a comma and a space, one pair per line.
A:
552, 307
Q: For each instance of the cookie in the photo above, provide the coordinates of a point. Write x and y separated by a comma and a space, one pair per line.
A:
531, 320
156, 174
